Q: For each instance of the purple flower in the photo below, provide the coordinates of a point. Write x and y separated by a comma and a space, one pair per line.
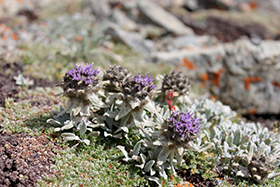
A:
184, 123
144, 81
86, 74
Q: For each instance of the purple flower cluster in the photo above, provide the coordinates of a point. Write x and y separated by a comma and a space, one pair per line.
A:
144, 81
86, 74
183, 123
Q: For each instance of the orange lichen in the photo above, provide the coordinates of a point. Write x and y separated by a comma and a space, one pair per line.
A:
276, 84
213, 97
253, 5
252, 111
188, 64
4, 37
204, 77
248, 80
217, 77
14, 36
79, 38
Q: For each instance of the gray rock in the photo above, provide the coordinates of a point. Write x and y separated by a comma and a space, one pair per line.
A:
132, 39
99, 8
163, 18
122, 20
191, 4
241, 74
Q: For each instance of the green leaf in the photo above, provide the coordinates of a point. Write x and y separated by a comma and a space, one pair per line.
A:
237, 136
68, 125
162, 157
149, 165
137, 147
83, 127
125, 153
69, 136
123, 112
54, 122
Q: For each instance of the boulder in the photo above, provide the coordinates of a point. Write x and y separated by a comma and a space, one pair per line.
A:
163, 18
240, 74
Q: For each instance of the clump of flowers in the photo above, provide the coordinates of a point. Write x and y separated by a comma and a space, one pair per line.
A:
116, 75
180, 128
176, 81
87, 75
79, 79
138, 88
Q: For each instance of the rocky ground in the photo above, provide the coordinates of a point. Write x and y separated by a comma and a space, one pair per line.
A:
229, 49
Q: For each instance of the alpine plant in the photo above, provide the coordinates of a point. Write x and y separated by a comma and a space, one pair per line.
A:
177, 82
80, 85
116, 77
175, 134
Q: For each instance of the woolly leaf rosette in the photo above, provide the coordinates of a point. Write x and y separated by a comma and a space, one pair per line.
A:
137, 94
176, 132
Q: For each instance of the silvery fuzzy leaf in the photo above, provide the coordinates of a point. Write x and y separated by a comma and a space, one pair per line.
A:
76, 111
237, 136
162, 157
111, 97
101, 91
96, 101
152, 172
149, 165
109, 121
267, 150
136, 158
276, 163
206, 146
111, 114
250, 153
137, 147
70, 136
21, 81
179, 156
162, 172
151, 108
143, 158
229, 140
127, 158
123, 112
159, 143
87, 142
82, 127
107, 134
91, 125
54, 122
68, 106
134, 104
272, 175
94, 133
125, 129
68, 125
